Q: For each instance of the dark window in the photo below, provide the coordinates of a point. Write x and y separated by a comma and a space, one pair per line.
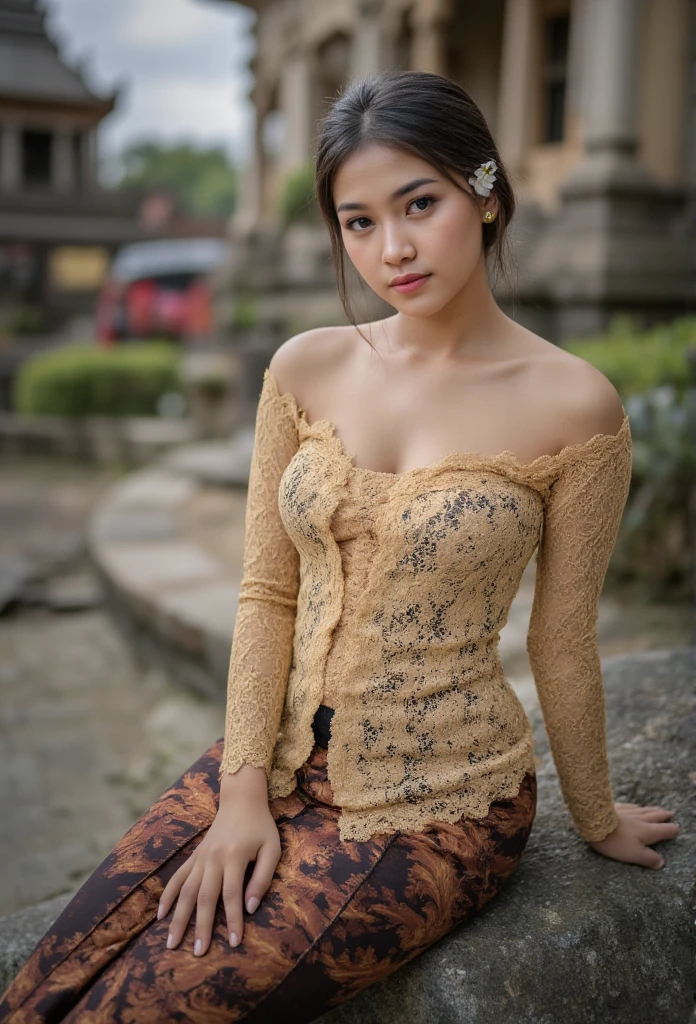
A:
556, 72
36, 157
77, 143
403, 47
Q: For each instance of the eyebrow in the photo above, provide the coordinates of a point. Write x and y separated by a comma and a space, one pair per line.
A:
404, 190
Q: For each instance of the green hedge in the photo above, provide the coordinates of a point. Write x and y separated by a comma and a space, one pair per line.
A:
81, 380
298, 200
636, 360
651, 371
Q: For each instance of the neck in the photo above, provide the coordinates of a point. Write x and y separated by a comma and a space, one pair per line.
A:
468, 327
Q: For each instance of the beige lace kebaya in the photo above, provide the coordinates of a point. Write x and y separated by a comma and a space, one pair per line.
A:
382, 595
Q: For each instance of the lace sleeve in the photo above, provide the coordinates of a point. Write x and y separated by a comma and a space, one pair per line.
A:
581, 524
261, 652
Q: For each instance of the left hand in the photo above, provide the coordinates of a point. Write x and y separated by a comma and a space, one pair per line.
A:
638, 828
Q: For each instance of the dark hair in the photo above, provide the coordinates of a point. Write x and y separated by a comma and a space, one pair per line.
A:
424, 114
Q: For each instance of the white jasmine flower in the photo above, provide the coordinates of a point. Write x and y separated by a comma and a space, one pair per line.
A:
484, 178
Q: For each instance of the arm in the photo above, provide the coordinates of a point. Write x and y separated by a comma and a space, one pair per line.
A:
261, 652
581, 524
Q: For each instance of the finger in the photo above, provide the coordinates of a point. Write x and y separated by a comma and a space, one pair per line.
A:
656, 861
171, 889
646, 857
184, 907
206, 905
262, 875
656, 815
656, 831
235, 868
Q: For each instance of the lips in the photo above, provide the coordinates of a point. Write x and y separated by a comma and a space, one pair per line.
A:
406, 278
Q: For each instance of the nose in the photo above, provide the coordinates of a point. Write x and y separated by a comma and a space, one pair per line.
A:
397, 246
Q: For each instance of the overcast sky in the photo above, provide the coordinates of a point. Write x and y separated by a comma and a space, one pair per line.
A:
181, 67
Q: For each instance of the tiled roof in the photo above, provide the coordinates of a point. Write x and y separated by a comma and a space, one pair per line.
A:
30, 65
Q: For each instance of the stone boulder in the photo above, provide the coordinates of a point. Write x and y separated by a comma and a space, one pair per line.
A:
574, 937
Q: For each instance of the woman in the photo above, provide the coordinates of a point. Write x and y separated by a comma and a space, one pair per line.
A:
375, 786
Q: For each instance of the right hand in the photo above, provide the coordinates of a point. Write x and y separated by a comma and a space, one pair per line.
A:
638, 828
243, 830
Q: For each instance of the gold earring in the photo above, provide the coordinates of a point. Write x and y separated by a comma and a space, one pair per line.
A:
489, 216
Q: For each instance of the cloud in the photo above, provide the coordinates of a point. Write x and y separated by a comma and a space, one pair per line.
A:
183, 66
162, 22
205, 114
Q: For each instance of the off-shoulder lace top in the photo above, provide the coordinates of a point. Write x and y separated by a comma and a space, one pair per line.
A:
383, 596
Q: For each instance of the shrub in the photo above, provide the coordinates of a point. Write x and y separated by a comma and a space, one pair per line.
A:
79, 380
636, 360
298, 199
656, 549
651, 371
246, 313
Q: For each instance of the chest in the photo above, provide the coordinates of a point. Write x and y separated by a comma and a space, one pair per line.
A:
447, 523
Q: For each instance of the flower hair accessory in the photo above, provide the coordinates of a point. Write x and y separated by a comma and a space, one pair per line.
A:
484, 178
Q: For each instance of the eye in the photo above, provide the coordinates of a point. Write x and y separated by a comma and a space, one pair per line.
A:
350, 223
423, 199
356, 220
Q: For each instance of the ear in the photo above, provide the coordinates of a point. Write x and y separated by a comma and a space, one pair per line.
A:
490, 203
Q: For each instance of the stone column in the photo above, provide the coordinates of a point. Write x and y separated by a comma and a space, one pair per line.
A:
63, 169
517, 80
611, 89
247, 216
578, 55
10, 157
431, 19
298, 109
368, 41
87, 150
617, 242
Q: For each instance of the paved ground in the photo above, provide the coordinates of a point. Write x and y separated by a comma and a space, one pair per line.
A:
90, 737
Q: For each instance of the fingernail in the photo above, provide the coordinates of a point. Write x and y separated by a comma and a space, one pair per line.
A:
233, 939
170, 941
198, 947
160, 912
252, 904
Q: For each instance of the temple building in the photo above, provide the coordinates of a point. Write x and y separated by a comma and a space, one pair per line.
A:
58, 227
592, 104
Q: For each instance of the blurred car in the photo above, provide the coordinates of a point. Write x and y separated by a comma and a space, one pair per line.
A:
160, 289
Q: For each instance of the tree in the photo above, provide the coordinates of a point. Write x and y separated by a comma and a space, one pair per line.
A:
203, 181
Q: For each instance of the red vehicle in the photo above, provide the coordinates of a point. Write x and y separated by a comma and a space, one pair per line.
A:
160, 289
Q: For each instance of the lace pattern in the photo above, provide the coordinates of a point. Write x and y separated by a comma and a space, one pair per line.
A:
383, 595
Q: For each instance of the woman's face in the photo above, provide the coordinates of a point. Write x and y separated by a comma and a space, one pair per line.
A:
432, 228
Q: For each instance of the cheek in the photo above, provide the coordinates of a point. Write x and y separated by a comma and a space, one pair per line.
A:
458, 235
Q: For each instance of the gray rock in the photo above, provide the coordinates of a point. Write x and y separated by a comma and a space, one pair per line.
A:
574, 937
15, 573
21, 931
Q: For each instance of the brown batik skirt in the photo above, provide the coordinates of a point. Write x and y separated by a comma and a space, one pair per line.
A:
338, 916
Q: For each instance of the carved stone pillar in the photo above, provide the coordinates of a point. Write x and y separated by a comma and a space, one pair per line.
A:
517, 82
10, 157
431, 21
368, 40
298, 108
617, 242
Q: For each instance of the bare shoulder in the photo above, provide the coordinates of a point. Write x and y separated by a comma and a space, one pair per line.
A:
581, 397
301, 362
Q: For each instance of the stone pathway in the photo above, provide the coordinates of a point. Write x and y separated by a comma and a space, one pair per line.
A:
90, 736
